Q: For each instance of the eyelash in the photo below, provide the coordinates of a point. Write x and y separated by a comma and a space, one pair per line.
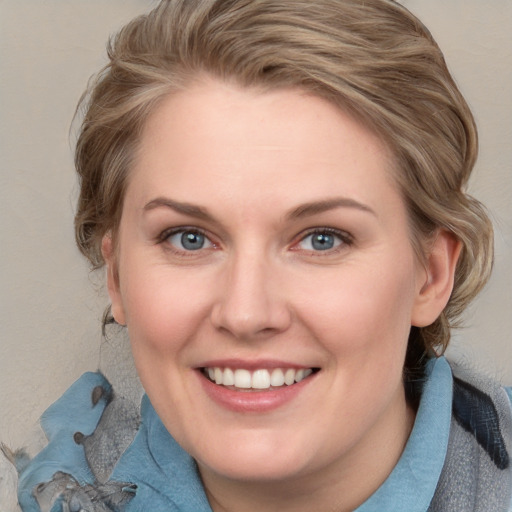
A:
345, 239
163, 239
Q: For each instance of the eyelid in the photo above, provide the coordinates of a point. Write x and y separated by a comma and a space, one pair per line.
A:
166, 233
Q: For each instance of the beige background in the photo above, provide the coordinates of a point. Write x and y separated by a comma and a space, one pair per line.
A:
51, 305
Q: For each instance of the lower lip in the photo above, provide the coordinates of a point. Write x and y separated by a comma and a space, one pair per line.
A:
252, 401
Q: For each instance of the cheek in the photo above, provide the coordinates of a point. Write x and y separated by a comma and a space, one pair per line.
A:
363, 308
163, 308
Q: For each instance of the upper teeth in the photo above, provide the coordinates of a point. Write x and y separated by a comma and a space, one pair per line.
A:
257, 379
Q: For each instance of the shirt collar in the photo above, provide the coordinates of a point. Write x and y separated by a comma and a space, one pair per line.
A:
411, 485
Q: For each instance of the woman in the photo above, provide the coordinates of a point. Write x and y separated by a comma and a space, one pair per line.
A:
277, 192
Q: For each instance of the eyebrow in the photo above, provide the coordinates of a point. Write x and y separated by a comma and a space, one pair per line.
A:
316, 207
301, 211
188, 209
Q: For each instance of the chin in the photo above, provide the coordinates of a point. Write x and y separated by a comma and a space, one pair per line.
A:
256, 469
256, 460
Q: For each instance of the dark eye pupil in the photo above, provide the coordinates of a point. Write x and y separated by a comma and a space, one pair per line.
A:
322, 241
192, 241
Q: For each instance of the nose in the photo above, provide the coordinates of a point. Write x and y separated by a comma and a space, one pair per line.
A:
251, 302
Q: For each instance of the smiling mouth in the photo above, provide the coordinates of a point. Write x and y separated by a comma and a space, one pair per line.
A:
260, 379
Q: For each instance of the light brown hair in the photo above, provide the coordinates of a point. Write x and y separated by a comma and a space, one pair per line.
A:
373, 58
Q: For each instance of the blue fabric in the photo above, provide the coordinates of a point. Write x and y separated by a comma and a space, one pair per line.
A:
73, 412
166, 475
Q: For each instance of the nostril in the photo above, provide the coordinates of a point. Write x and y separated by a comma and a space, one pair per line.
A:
246, 323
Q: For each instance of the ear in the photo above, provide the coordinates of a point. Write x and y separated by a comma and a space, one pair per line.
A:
435, 282
108, 252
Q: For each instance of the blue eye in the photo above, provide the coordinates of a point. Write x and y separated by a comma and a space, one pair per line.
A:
189, 240
320, 241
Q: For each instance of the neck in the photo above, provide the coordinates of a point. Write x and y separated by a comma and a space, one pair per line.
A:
340, 487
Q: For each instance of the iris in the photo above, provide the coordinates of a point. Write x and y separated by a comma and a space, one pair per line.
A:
322, 241
192, 241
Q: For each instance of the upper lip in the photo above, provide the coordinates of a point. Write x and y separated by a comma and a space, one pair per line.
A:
254, 364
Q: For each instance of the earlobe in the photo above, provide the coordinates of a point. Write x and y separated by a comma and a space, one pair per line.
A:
436, 284
107, 250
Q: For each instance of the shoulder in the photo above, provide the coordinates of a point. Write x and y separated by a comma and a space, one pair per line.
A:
105, 452
88, 428
477, 473
482, 407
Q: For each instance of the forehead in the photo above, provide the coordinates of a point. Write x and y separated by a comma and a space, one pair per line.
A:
217, 139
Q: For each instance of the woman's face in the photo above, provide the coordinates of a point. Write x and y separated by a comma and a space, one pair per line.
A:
263, 241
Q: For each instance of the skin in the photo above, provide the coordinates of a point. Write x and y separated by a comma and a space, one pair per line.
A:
259, 290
